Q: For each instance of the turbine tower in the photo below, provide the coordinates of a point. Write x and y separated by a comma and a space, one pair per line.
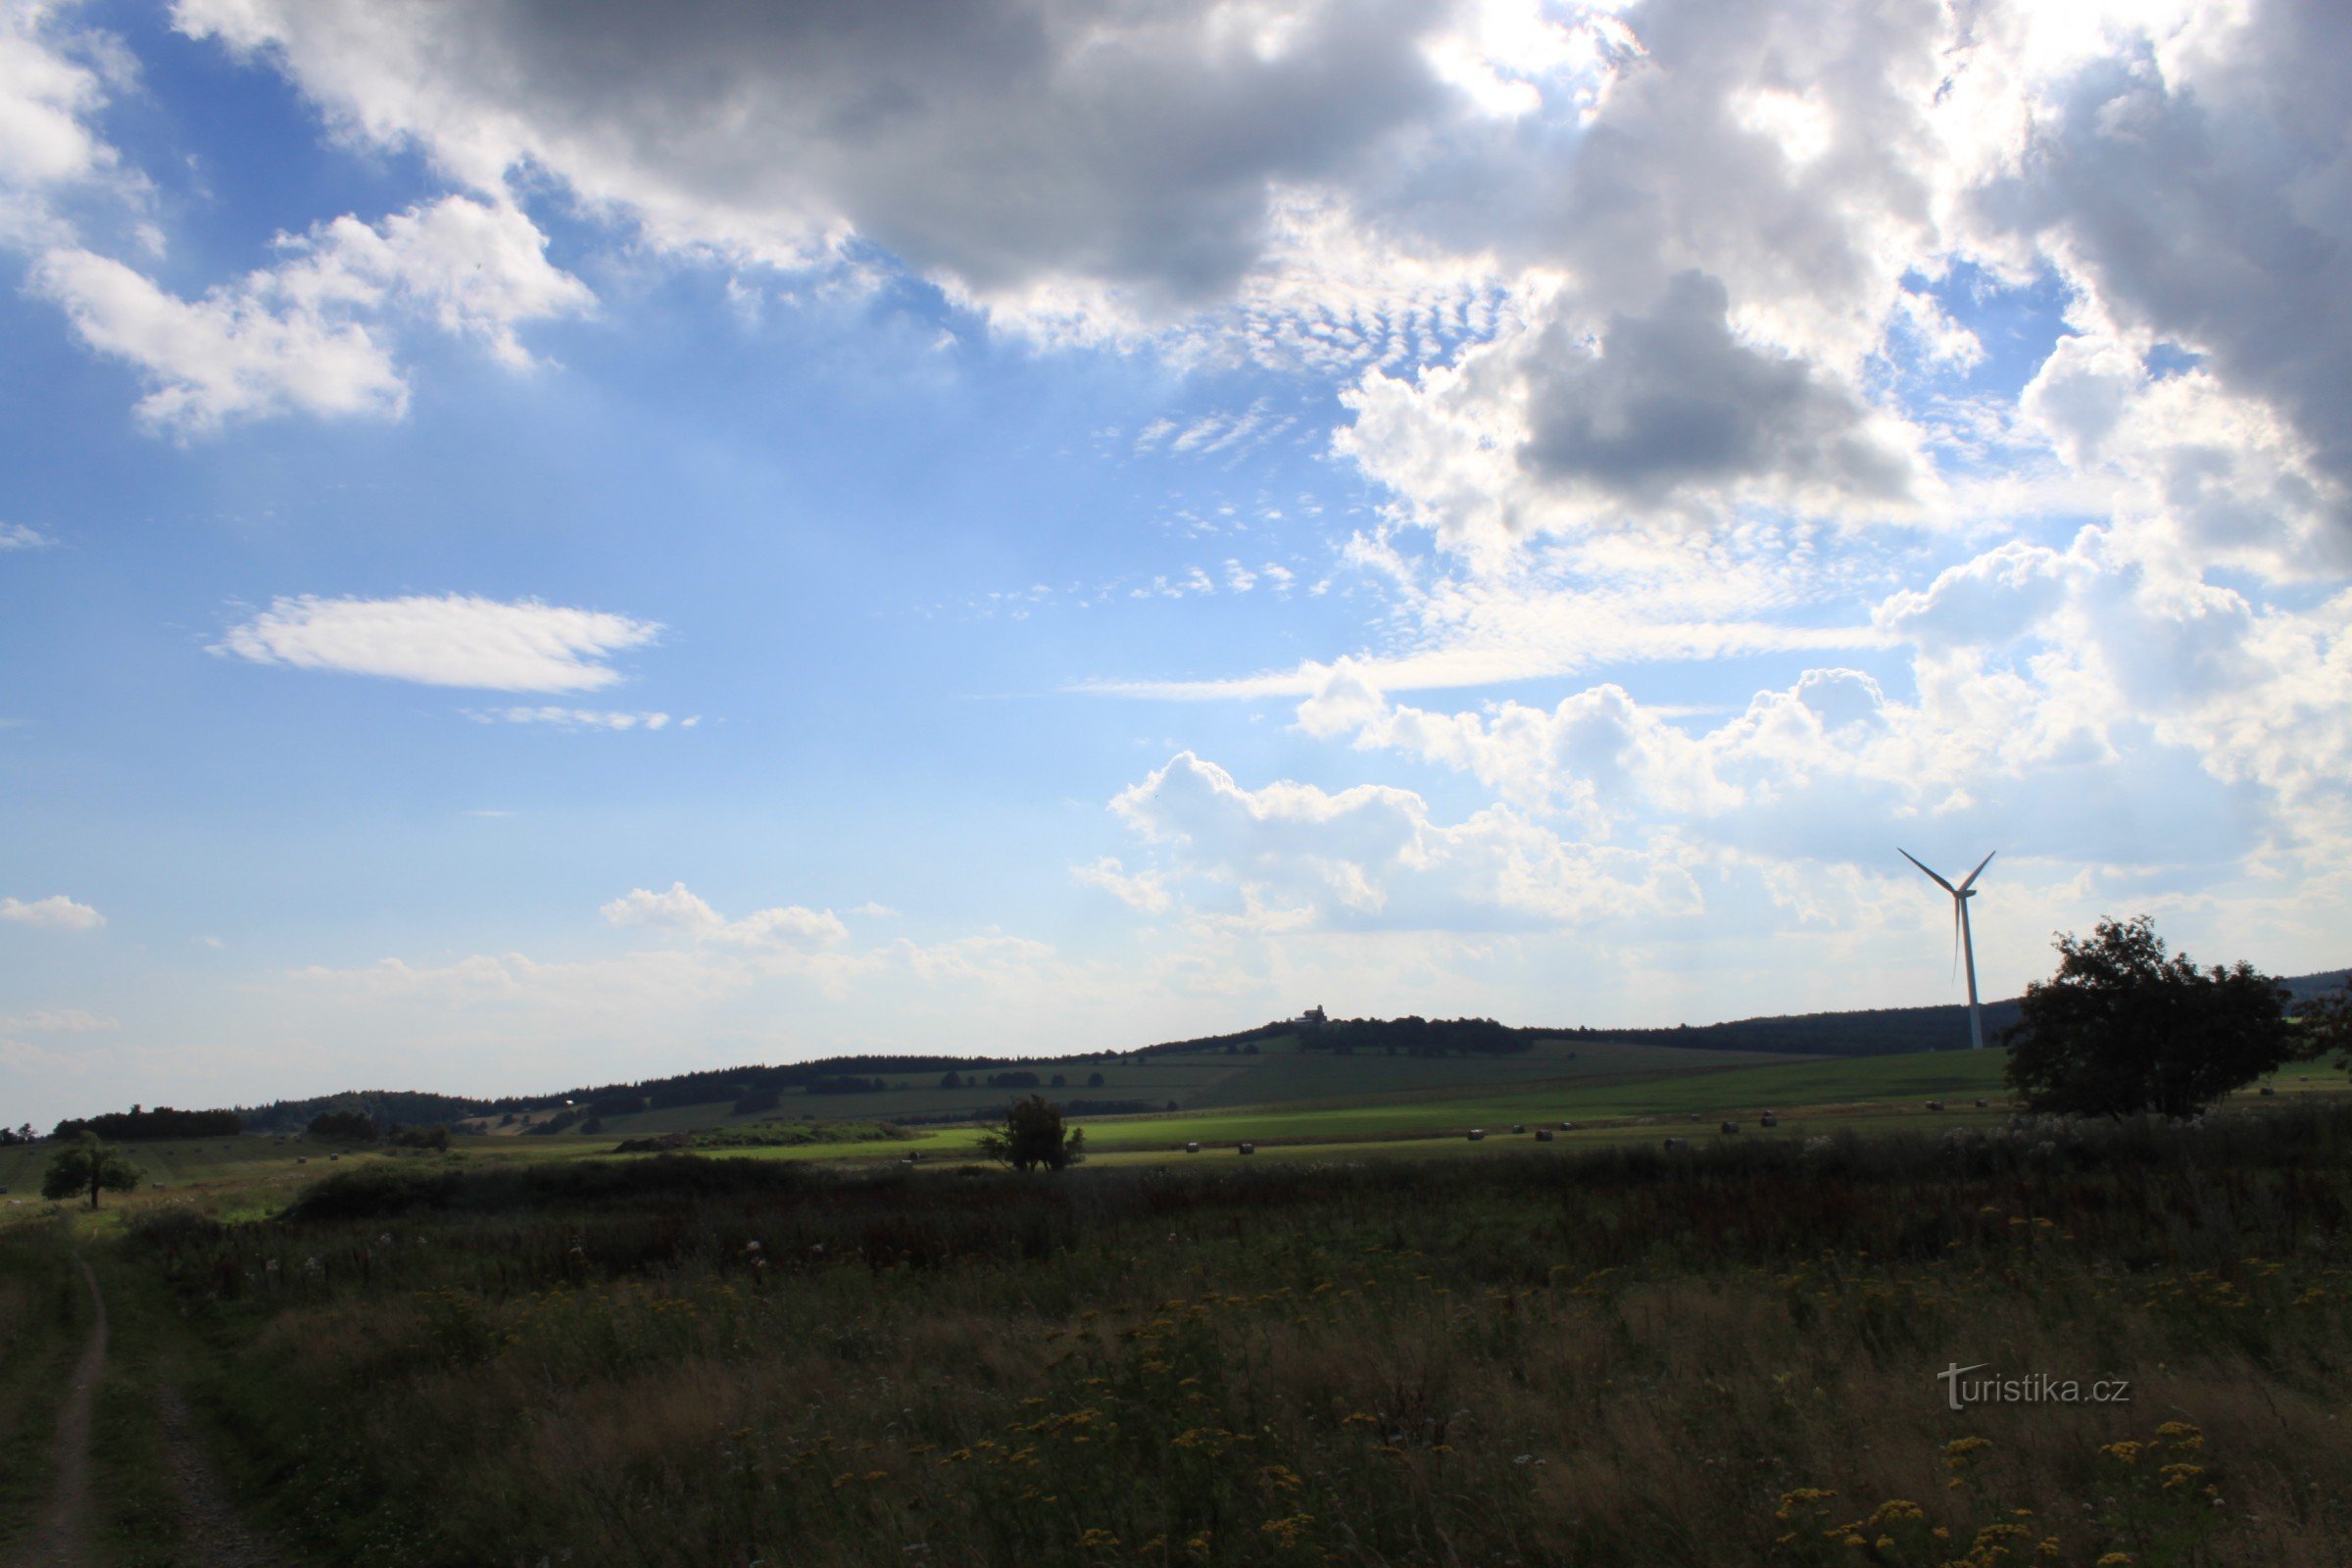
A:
1961, 936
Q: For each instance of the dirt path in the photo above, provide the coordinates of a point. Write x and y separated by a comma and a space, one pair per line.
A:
213, 1535
64, 1538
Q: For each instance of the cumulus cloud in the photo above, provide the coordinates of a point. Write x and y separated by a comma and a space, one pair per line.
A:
1672, 403
56, 912
1142, 891
306, 335
789, 926
449, 640
15, 536
2201, 185
1010, 149
54, 78
1374, 857
226, 355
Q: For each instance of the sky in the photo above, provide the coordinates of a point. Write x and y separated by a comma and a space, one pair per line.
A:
545, 544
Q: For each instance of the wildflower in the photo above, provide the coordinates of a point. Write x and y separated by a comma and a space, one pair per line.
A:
2115, 1559
2127, 1450
2181, 1475
1286, 1532
1097, 1537
1962, 1447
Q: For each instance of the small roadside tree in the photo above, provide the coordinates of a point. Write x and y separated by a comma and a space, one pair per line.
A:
2125, 1027
87, 1165
1033, 1136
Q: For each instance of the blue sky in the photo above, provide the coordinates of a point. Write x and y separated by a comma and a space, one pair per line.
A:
537, 551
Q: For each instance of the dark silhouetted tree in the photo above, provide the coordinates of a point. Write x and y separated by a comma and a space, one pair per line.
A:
2123, 1027
87, 1165
1033, 1136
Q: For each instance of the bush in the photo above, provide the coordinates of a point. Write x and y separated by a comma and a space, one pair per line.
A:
378, 1192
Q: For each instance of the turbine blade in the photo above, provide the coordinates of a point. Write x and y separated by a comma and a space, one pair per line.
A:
1915, 861
1973, 875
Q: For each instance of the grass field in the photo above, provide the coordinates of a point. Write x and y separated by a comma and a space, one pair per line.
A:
1376, 1342
1604, 1355
1278, 1073
1630, 1094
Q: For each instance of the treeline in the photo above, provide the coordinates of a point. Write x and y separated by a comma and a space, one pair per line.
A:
386, 1107
135, 1125
1878, 1032
1414, 1036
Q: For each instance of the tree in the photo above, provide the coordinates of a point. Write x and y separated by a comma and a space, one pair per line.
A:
1033, 1136
1093, 1080
2123, 1027
87, 1165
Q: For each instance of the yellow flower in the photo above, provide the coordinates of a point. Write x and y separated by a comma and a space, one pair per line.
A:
1097, 1537
2115, 1559
1962, 1447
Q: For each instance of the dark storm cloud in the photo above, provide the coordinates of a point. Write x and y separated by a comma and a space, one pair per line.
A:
1672, 400
996, 142
2215, 209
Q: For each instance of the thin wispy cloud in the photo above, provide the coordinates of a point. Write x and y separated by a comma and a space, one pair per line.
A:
448, 640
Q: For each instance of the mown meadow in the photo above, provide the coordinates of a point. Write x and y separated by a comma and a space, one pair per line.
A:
1615, 1355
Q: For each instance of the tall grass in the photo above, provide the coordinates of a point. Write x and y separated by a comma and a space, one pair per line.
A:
1627, 1356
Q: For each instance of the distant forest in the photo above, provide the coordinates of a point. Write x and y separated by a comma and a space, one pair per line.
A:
1885, 1031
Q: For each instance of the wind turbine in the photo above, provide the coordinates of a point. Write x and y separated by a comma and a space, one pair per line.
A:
1960, 937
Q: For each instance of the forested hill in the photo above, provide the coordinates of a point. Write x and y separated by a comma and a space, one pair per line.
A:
1885, 1031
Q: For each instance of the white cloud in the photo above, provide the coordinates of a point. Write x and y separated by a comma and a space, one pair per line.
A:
448, 640
1142, 891
579, 719
57, 1020
15, 536
56, 912
54, 78
306, 335
229, 355
1373, 857
790, 926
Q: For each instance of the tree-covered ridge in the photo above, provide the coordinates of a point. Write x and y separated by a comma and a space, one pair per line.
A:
137, 1126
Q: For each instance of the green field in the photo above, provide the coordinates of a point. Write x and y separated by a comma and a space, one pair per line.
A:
1613, 1093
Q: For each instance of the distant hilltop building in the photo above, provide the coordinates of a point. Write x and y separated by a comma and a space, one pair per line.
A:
1311, 1019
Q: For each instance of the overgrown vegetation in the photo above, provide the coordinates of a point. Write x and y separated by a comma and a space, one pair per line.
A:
1623, 1356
